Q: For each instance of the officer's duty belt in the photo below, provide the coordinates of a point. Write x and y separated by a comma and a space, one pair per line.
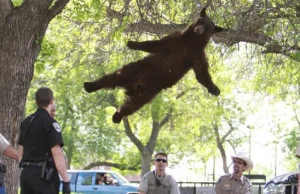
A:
38, 164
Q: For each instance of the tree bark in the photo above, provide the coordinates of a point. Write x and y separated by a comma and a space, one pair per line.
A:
21, 32
146, 161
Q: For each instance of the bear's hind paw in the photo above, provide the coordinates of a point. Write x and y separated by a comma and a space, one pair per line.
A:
89, 87
214, 91
117, 117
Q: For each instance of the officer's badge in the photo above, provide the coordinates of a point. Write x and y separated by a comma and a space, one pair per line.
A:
57, 127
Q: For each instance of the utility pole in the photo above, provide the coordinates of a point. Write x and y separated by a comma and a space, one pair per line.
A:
250, 141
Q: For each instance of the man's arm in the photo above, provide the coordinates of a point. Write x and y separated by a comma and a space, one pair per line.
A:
174, 187
6, 149
218, 187
20, 153
11, 153
143, 187
249, 188
60, 162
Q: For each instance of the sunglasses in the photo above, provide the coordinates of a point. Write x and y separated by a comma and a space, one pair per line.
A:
161, 160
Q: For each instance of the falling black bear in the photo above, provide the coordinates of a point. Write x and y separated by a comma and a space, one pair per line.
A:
170, 59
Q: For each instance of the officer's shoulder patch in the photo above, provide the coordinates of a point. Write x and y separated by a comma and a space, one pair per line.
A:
144, 178
57, 127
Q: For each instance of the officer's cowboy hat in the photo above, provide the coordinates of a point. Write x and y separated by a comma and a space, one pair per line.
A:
242, 156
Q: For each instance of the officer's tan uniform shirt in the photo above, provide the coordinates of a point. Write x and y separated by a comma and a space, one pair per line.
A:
3, 144
227, 184
168, 184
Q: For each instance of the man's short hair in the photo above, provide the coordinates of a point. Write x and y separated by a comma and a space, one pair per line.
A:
43, 96
162, 154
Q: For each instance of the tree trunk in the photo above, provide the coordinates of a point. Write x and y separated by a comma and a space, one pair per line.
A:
221, 148
224, 158
147, 150
71, 144
21, 32
18, 52
146, 161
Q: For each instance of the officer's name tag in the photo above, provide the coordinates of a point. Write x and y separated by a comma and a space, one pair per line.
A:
226, 187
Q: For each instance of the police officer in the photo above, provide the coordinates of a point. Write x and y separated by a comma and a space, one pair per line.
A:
157, 181
7, 150
40, 143
236, 183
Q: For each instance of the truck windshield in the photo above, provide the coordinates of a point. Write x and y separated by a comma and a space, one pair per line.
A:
120, 178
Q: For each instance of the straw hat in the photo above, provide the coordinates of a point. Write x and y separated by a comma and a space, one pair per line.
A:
243, 156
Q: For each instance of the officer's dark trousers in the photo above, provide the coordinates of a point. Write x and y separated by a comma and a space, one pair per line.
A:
56, 180
31, 182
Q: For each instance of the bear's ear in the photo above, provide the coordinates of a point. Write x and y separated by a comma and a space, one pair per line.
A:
218, 29
203, 13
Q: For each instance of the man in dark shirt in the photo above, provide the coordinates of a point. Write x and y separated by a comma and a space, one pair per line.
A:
40, 141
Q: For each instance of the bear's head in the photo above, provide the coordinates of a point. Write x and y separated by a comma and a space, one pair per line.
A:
204, 25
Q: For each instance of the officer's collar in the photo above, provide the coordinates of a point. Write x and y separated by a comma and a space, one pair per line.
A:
159, 177
41, 110
241, 178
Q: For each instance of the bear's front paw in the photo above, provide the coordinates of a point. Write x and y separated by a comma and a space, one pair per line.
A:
131, 44
214, 91
88, 87
117, 117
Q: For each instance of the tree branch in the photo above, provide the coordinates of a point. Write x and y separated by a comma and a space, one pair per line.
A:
165, 119
228, 37
131, 136
115, 165
208, 3
297, 118
181, 94
57, 8
153, 137
155, 29
112, 14
228, 132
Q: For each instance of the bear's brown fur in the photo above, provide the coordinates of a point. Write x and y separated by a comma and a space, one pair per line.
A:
170, 59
